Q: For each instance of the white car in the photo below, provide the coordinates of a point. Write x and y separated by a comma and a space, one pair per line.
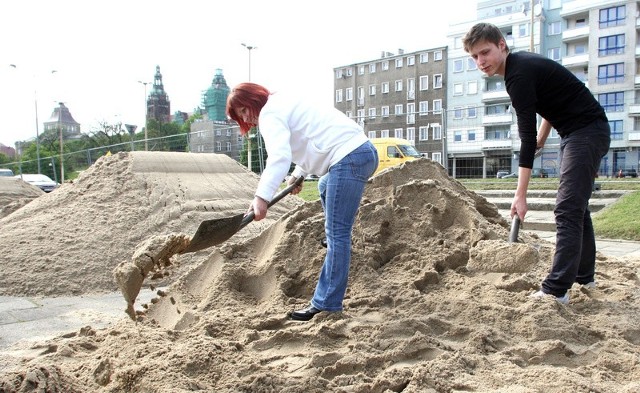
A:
44, 182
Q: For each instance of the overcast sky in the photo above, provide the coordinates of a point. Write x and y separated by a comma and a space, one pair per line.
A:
100, 50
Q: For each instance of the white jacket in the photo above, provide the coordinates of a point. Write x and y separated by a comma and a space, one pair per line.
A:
311, 136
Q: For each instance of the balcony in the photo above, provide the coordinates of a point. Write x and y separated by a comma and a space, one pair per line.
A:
497, 144
580, 33
493, 120
495, 95
634, 136
634, 110
576, 61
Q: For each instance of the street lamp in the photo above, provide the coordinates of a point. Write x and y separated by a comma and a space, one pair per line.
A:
146, 146
35, 100
61, 142
249, 48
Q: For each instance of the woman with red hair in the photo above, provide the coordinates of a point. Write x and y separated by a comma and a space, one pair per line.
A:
321, 141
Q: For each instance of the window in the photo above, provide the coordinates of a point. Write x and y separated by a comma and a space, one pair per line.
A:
611, 45
554, 28
554, 54
437, 81
398, 109
371, 134
437, 55
472, 87
397, 133
349, 114
612, 102
457, 136
372, 68
424, 57
436, 157
411, 89
580, 49
471, 64
411, 113
423, 133
338, 74
437, 106
385, 65
385, 87
523, 30
581, 22
457, 89
339, 95
424, 82
471, 135
457, 65
384, 134
613, 16
457, 42
610, 73
411, 135
348, 93
372, 113
616, 129
218, 146
372, 90
497, 134
399, 62
437, 131
385, 111
218, 132
457, 112
423, 108
411, 60
361, 70
399, 85
471, 111
228, 146
349, 72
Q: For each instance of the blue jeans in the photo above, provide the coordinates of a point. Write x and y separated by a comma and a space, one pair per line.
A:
575, 256
341, 191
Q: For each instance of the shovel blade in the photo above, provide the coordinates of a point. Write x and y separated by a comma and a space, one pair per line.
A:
213, 232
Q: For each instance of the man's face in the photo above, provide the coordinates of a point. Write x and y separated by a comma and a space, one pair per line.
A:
490, 58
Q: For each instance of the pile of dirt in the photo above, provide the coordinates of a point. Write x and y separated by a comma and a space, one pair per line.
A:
15, 193
437, 302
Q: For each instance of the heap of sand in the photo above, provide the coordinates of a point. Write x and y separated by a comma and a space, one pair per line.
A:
437, 302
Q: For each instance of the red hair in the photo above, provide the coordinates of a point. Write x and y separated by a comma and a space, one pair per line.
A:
246, 95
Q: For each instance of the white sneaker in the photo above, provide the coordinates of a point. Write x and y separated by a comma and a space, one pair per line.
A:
560, 299
589, 285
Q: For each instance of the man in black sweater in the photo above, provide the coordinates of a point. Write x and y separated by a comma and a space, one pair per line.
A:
538, 85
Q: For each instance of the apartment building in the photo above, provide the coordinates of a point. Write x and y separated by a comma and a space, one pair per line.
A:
596, 39
399, 95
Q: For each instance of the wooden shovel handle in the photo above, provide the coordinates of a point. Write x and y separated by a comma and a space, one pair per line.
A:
249, 217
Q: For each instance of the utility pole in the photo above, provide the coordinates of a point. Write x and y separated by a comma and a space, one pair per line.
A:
61, 142
146, 135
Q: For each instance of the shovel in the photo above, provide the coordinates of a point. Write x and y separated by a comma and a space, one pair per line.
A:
213, 232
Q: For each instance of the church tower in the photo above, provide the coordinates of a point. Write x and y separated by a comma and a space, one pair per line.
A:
158, 105
214, 99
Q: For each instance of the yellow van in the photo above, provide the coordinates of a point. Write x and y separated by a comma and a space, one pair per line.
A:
393, 151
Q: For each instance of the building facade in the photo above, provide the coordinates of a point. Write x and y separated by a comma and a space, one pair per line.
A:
398, 95
62, 122
594, 39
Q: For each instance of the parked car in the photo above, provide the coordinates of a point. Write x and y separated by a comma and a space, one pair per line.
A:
44, 182
513, 175
6, 172
627, 173
539, 172
502, 173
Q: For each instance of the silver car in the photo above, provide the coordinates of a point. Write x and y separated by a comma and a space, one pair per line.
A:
44, 182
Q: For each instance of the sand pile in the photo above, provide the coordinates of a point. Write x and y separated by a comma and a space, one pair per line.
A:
437, 302
15, 193
67, 242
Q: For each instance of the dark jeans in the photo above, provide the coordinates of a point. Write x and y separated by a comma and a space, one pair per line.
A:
575, 256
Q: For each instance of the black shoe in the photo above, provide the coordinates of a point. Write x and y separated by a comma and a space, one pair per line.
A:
305, 314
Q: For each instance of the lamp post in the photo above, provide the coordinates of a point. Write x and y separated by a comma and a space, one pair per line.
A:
35, 100
249, 48
61, 142
146, 145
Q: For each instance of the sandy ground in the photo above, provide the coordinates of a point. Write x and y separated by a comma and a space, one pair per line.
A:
437, 300
15, 193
